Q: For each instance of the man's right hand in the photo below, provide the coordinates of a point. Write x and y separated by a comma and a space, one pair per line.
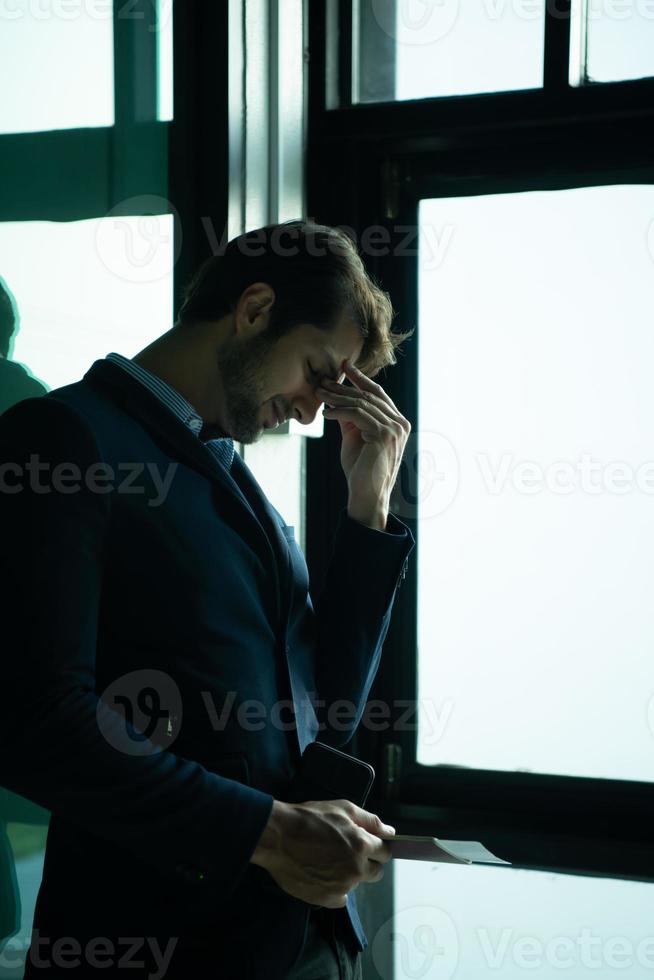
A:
320, 850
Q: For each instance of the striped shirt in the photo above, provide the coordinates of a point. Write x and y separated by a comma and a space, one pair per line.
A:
222, 449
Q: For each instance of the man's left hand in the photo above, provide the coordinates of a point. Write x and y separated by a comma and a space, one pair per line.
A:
375, 434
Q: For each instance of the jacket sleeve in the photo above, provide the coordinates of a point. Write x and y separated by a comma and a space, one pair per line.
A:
352, 617
170, 811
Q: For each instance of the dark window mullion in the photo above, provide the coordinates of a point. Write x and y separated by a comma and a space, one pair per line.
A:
346, 52
556, 70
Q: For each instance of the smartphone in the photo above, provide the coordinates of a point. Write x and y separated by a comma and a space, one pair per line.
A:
326, 773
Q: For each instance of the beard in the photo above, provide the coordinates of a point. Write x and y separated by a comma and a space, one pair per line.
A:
242, 367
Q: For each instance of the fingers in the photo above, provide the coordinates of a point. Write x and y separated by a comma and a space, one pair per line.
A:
365, 383
364, 818
365, 419
339, 397
377, 849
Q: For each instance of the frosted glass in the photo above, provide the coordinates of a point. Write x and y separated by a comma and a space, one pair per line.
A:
536, 500
56, 65
460, 47
86, 288
470, 923
620, 40
165, 100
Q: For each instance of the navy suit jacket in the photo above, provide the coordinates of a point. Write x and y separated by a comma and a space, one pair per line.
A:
204, 588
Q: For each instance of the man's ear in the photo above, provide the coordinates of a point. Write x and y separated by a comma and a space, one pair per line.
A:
252, 311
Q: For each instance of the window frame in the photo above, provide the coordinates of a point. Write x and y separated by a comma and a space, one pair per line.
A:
74, 174
560, 136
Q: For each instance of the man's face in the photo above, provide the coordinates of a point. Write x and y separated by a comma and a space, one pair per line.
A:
258, 374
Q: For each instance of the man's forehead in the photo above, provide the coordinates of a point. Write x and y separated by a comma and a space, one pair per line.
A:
333, 359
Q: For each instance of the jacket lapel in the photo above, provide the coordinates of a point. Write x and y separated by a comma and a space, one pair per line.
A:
242, 503
240, 496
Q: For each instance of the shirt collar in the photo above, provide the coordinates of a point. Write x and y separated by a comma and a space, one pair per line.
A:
177, 404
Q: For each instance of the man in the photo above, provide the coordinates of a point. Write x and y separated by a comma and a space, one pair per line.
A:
15, 382
164, 631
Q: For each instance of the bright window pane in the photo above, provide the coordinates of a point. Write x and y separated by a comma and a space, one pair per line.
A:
56, 65
471, 923
414, 49
536, 503
620, 40
278, 462
164, 60
86, 288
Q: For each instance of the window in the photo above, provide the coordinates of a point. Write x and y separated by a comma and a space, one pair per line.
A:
611, 41
477, 923
535, 510
164, 24
416, 49
83, 289
513, 227
56, 66
398, 50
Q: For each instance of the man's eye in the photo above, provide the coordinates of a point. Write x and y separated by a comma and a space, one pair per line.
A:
311, 371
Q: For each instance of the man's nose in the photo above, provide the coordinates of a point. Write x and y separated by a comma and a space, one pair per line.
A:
310, 405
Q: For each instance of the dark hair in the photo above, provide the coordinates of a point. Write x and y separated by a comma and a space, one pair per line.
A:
317, 276
7, 318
